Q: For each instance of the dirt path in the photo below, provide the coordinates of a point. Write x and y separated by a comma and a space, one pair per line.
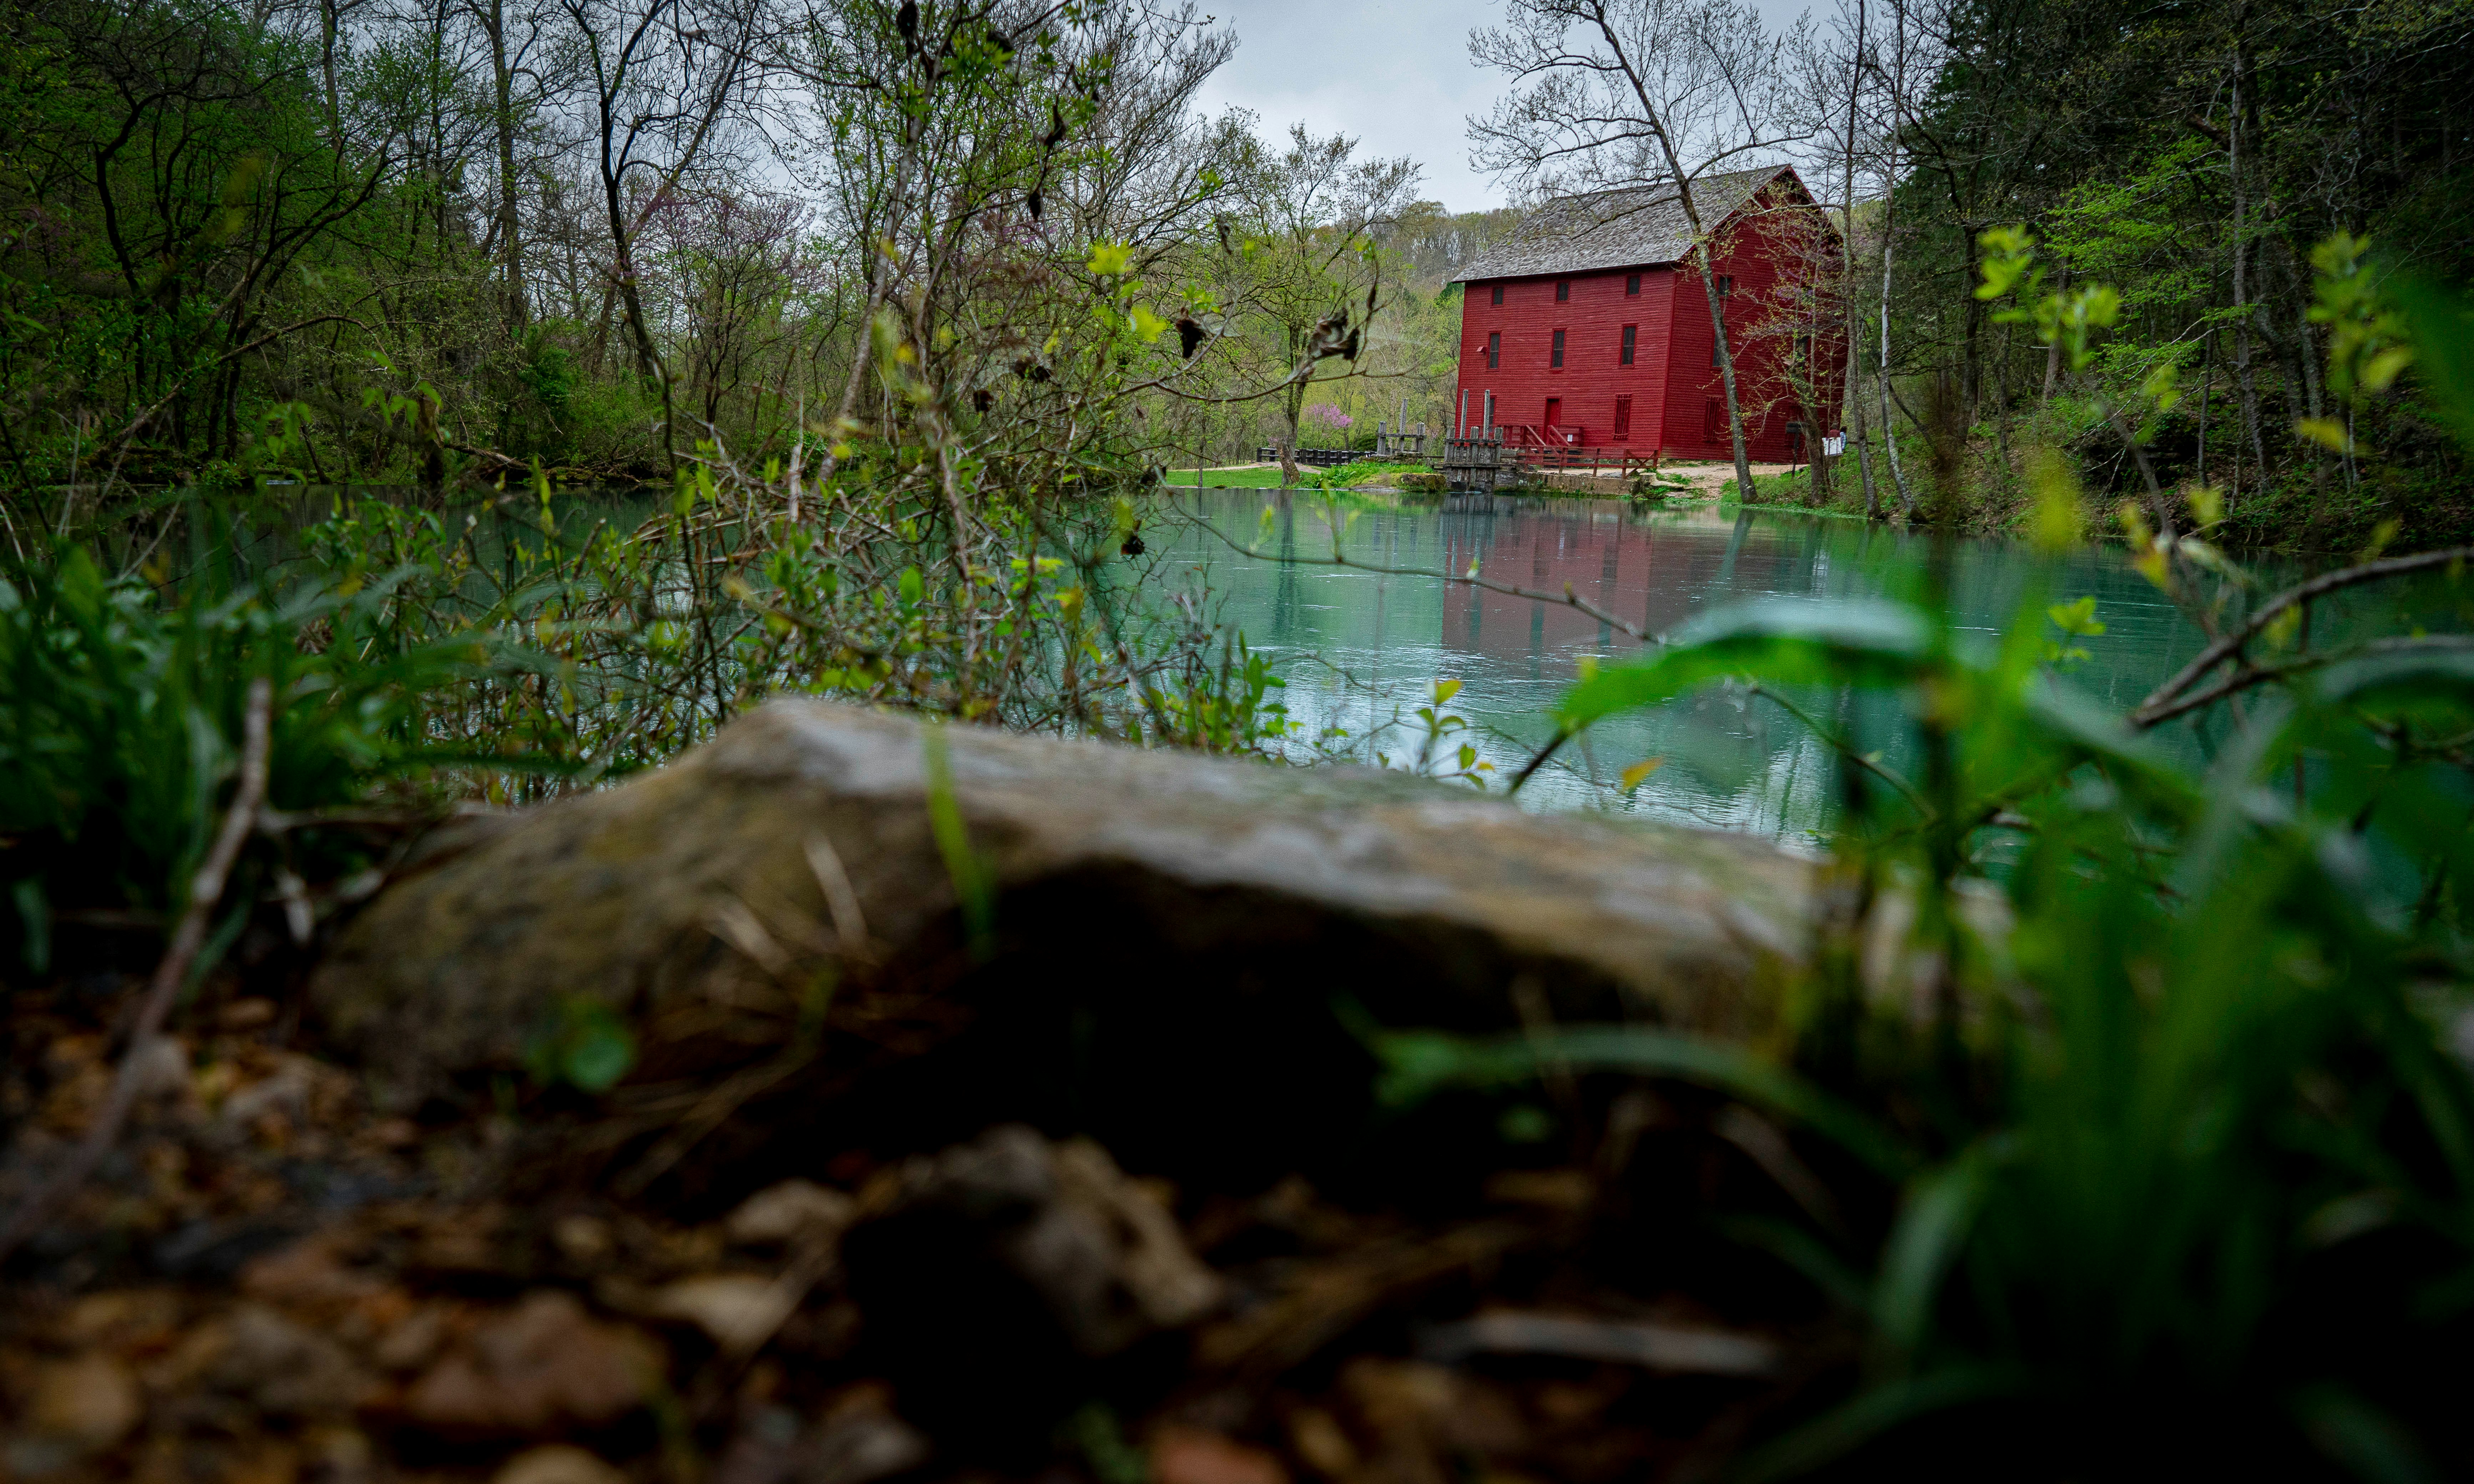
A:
1711, 478
1708, 480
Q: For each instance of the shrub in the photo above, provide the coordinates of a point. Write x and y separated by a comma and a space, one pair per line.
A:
120, 718
2175, 1163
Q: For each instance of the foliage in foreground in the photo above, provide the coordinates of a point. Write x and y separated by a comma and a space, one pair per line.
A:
2166, 1164
120, 715
515, 648
2180, 1145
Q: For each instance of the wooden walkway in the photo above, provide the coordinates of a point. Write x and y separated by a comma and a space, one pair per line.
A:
1493, 462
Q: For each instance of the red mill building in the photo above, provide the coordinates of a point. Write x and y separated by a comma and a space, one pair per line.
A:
1587, 328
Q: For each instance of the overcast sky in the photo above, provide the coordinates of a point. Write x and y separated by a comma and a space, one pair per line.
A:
1392, 74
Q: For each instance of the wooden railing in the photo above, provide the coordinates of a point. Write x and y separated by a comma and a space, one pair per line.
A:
1511, 459
1597, 461
1311, 458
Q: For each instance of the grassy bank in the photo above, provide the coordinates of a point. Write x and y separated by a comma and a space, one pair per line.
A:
1364, 474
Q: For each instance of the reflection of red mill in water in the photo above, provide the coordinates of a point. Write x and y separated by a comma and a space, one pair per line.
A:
1619, 566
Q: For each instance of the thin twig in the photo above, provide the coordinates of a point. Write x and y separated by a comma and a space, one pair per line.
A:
1846, 750
2248, 676
1537, 760
206, 889
2152, 709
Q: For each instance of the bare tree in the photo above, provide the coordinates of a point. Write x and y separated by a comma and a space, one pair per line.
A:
525, 82
1648, 97
1898, 82
664, 73
1833, 74
1308, 259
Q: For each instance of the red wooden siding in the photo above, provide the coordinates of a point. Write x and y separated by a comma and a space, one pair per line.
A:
1671, 384
1589, 381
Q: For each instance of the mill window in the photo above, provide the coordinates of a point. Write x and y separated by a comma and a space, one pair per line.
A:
1494, 349
1498, 293
1631, 283
1624, 356
1563, 292
1554, 357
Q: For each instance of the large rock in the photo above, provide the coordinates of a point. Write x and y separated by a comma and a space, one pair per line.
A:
721, 902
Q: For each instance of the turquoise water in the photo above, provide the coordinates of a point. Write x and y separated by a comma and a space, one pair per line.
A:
1361, 650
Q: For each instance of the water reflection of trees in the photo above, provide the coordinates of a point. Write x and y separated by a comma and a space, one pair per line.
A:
1733, 761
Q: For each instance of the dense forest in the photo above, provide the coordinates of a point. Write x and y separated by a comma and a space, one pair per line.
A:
366, 243
2195, 158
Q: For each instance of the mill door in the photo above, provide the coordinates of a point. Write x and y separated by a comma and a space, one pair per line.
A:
1554, 414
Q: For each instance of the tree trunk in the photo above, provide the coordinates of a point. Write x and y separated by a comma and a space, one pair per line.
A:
1849, 395
2001, 407
1881, 376
1889, 196
509, 249
2053, 352
2306, 357
2207, 383
1970, 360
2242, 260
1703, 249
622, 272
1294, 407
329, 24
1726, 369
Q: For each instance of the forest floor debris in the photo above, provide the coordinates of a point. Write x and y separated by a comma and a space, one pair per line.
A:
268, 1280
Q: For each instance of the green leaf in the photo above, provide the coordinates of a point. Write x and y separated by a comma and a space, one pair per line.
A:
2327, 432
1849, 1426
1779, 641
2368, 1443
974, 878
35, 920
584, 1046
2076, 618
600, 1049
1931, 1227
1416, 1064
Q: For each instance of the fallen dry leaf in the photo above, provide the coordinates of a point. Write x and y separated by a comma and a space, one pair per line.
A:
556, 1464
1317, 1438
281, 1367
1656, 1347
738, 1311
87, 1404
539, 1366
788, 1210
307, 1274
1196, 1456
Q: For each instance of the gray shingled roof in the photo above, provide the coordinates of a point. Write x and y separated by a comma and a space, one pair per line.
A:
1636, 227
